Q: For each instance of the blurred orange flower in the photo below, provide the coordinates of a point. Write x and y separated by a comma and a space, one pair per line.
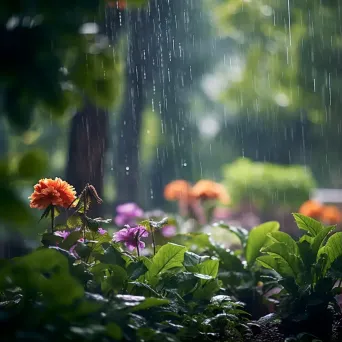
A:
52, 192
311, 208
331, 215
207, 189
120, 4
177, 190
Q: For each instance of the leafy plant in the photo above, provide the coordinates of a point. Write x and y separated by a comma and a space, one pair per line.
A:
83, 285
307, 271
241, 276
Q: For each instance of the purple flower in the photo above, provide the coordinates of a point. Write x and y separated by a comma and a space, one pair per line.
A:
62, 233
131, 236
127, 214
102, 231
169, 231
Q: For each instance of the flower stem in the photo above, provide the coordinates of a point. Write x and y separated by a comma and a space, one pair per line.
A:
52, 218
153, 241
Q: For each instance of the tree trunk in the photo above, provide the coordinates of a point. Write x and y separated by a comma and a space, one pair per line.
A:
87, 147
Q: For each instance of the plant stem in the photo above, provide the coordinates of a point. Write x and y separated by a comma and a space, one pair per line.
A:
153, 241
52, 218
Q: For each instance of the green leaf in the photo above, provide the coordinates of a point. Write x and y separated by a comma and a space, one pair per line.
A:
168, 256
44, 271
333, 250
114, 331
96, 223
229, 261
71, 240
320, 238
182, 282
276, 264
136, 269
49, 239
74, 221
258, 237
240, 233
115, 281
192, 260
286, 249
308, 224
83, 250
207, 290
150, 303
208, 268
111, 256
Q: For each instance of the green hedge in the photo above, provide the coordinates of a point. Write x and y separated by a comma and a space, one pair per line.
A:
267, 184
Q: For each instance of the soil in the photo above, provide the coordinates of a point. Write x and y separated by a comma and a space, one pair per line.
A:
271, 329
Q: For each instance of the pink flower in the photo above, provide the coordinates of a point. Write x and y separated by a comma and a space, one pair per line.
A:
62, 233
131, 236
102, 231
169, 231
127, 214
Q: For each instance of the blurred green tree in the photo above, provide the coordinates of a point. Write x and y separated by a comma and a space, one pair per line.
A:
290, 53
52, 58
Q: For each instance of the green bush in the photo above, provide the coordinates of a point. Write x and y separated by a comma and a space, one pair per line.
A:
267, 184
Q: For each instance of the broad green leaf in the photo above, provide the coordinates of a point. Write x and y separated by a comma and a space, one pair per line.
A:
136, 269
286, 249
182, 282
320, 238
150, 303
257, 239
333, 250
277, 264
240, 233
168, 256
308, 224
192, 261
115, 281
111, 256
207, 290
229, 261
139, 288
209, 267
45, 271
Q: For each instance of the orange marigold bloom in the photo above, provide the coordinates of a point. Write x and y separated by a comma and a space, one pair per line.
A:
52, 192
177, 190
311, 208
331, 215
207, 189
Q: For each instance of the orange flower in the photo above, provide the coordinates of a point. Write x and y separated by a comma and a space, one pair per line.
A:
120, 4
331, 215
52, 192
177, 190
207, 189
311, 208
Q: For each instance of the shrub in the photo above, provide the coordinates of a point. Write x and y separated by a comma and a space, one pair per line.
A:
267, 184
